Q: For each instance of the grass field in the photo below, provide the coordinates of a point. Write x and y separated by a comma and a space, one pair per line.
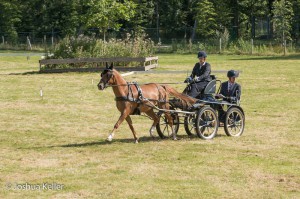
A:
60, 137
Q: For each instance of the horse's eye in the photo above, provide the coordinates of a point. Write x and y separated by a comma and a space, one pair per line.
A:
101, 74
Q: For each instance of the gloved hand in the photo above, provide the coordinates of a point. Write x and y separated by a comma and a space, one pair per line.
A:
188, 80
218, 96
197, 79
231, 99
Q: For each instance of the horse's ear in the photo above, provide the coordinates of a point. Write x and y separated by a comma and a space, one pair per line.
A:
106, 65
111, 66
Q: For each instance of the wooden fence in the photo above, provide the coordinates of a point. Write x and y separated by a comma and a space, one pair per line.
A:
98, 64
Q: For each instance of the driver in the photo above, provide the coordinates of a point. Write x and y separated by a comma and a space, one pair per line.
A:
200, 76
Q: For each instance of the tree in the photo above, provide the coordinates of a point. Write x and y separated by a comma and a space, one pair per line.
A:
282, 19
206, 19
296, 21
9, 18
43, 17
223, 17
144, 17
172, 16
106, 14
251, 9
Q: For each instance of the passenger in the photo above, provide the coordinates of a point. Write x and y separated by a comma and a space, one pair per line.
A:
230, 90
200, 76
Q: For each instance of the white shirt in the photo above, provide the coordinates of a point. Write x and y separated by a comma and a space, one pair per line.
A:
230, 86
202, 64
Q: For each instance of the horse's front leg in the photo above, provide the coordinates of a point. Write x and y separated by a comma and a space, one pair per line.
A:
129, 121
118, 123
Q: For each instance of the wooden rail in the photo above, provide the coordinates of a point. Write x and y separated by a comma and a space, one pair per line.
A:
146, 63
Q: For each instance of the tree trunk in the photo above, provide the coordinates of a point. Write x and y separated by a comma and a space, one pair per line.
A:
103, 30
194, 31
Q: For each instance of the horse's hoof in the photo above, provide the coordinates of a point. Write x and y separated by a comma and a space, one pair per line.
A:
175, 139
136, 142
108, 139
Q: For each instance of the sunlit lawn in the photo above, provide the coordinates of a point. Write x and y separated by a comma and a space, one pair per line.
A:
60, 137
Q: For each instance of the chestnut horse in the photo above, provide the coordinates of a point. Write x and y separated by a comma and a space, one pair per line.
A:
132, 99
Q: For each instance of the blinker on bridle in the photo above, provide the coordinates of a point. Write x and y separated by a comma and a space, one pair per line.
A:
110, 75
106, 71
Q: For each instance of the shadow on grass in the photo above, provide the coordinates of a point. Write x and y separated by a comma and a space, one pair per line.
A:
27, 73
49, 72
130, 140
126, 140
277, 57
105, 142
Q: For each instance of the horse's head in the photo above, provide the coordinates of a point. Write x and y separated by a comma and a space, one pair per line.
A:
106, 77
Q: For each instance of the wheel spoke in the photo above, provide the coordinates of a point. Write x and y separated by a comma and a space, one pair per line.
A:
192, 128
208, 130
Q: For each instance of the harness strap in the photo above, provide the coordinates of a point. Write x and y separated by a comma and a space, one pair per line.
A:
140, 98
130, 93
140, 92
125, 98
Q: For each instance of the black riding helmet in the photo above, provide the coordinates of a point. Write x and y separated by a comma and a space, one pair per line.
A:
202, 54
232, 73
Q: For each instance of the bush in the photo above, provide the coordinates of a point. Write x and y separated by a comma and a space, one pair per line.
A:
85, 47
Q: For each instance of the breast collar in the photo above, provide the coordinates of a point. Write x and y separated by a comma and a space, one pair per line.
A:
130, 96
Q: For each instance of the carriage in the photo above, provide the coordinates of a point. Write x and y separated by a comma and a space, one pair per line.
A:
201, 116
205, 116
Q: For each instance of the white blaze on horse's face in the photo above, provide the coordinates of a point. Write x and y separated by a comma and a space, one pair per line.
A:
106, 79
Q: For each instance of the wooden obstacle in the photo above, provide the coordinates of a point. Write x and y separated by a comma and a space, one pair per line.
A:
97, 64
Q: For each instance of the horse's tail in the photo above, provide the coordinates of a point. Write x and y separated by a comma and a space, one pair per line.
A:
185, 99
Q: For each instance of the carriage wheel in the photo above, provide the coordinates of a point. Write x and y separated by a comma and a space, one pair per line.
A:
163, 128
234, 122
190, 124
207, 123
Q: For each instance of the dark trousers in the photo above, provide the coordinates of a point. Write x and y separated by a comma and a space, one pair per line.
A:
221, 114
196, 88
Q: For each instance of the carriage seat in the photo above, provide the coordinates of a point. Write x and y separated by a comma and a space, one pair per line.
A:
209, 90
211, 86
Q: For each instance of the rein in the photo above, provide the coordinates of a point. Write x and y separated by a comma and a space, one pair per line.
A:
133, 83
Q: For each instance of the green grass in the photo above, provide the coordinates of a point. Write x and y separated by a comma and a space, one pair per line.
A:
60, 138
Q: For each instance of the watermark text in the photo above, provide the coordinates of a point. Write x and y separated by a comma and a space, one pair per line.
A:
45, 186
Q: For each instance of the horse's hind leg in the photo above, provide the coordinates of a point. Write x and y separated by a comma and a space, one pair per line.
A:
169, 119
170, 122
153, 116
129, 121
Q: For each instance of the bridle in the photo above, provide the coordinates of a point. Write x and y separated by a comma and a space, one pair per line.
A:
106, 84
